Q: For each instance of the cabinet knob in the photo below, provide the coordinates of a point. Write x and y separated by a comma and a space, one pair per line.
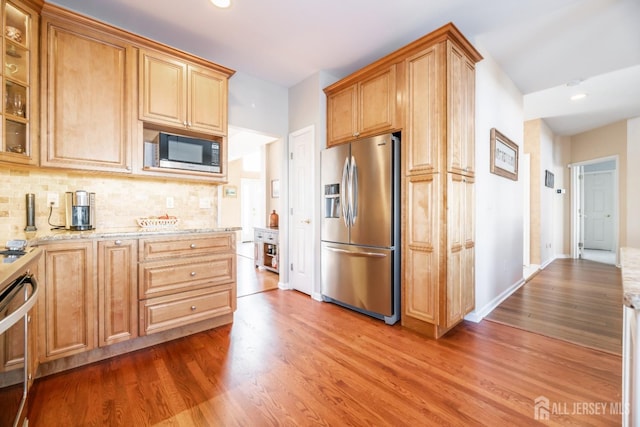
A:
193, 273
356, 134
193, 308
118, 242
184, 124
192, 246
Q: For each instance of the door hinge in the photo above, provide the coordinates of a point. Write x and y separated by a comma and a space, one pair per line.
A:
291, 266
291, 209
291, 156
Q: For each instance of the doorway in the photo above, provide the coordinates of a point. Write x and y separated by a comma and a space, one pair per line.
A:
594, 210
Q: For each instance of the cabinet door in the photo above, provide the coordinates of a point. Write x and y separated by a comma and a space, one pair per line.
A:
342, 116
117, 291
377, 103
87, 94
420, 290
461, 112
68, 313
163, 89
460, 248
19, 113
423, 134
207, 101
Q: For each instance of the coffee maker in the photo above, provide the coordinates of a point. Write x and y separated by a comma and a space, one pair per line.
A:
79, 210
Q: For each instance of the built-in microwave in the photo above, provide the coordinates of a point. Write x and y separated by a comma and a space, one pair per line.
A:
183, 152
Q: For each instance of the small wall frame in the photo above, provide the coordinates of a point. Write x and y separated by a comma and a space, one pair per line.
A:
504, 155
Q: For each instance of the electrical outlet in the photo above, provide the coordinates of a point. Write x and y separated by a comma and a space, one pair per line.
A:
205, 203
170, 204
53, 200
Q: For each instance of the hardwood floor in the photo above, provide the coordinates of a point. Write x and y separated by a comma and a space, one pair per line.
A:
578, 301
290, 360
251, 279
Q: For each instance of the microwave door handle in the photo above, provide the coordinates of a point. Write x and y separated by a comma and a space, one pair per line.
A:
343, 192
354, 190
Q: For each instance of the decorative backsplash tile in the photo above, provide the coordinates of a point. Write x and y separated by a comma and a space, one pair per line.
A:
119, 201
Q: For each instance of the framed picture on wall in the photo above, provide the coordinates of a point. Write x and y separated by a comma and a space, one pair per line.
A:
230, 191
504, 156
275, 188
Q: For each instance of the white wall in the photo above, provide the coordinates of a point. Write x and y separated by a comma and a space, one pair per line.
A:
499, 222
633, 177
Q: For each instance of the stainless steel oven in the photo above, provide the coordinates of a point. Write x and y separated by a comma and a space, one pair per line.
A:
17, 297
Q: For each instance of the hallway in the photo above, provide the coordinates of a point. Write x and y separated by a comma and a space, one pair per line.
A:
250, 279
577, 301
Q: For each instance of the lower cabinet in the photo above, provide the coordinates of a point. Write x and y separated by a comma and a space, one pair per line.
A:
99, 292
67, 303
180, 282
117, 290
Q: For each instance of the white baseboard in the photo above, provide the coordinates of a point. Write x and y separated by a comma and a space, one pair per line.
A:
479, 314
316, 296
284, 286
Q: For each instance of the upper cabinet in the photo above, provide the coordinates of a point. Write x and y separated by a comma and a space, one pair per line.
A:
176, 93
363, 107
87, 96
19, 125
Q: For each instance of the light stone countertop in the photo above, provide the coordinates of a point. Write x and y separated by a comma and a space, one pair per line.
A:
49, 236
11, 270
630, 263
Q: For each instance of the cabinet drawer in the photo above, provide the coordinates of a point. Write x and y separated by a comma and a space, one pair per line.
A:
163, 313
164, 278
151, 249
265, 236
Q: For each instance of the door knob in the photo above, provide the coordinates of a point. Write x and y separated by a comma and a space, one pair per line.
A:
307, 221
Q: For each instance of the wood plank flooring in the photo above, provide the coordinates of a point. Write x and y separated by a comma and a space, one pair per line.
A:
578, 301
251, 279
288, 360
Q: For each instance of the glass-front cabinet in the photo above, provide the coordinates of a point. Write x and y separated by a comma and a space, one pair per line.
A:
19, 80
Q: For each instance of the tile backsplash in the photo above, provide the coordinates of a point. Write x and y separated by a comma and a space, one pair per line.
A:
119, 201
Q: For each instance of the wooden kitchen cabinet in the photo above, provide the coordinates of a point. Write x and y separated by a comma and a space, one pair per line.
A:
438, 243
426, 90
362, 108
117, 290
87, 94
176, 93
19, 75
67, 303
183, 280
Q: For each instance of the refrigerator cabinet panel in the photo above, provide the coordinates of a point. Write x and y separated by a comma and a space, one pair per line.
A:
334, 192
360, 277
373, 174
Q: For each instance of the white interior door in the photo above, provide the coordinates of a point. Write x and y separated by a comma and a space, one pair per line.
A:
598, 210
302, 205
251, 210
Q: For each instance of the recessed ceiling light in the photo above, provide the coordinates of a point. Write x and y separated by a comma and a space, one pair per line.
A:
221, 3
578, 96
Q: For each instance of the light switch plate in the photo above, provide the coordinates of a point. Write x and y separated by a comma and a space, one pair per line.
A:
205, 203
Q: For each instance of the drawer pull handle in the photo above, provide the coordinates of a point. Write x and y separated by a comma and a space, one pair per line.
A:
193, 273
118, 242
192, 246
193, 308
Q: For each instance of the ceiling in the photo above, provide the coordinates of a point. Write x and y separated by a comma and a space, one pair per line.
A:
540, 44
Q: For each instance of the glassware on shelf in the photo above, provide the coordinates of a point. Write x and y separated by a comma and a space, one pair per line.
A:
18, 105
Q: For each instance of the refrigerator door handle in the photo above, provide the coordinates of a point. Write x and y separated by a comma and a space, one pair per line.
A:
358, 254
343, 192
354, 190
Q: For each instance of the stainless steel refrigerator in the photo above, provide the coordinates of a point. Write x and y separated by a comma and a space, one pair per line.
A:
360, 257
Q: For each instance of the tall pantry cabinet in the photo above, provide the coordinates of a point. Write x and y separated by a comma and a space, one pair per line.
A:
435, 94
438, 241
